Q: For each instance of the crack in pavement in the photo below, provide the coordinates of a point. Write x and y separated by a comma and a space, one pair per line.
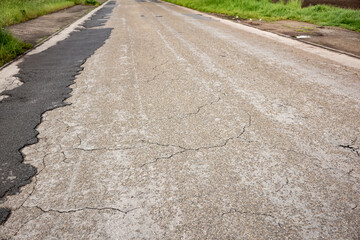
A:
162, 158
80, 140
62, 122
43, 211
351, 147
158, 74
22, 205
283, 185
84, 209
224, 143
233, 210
98, 149
159, 65
64, 160
185, 149
101, 149
161, 144
193, 113
35, 181
23, 225
155, 76
350, 171
199, 108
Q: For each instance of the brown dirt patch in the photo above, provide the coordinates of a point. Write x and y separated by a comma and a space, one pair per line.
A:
331, 37
354, 4
35, 30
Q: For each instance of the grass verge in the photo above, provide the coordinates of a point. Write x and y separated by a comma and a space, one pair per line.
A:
322, 15
17, 11
10, 47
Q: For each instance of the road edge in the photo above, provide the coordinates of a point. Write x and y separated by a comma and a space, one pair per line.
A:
338, 56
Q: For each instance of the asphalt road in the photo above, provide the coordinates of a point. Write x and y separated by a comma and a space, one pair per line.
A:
182, 126
45, 77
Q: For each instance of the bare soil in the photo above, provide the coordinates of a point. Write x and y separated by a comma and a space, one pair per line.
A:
354, 4
332, 37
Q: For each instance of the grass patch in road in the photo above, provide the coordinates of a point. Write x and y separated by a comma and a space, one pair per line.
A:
323, 15
10, 47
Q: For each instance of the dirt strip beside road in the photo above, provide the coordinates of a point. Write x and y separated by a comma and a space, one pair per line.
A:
35, 30
335, 38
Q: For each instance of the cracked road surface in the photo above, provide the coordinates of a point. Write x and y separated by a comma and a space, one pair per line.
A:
183, 126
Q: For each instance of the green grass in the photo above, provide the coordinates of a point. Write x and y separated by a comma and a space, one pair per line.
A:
267, 10
91, 2
17, 11
10, 47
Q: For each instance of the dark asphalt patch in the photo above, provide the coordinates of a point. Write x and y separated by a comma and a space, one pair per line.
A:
100, 18
46, 78
4, 215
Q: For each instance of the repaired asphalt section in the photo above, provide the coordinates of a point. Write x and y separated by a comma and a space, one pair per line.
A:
46, 77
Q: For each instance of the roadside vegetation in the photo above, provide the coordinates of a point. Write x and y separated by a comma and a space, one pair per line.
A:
17, 11
10, 47
91, 2
322, 15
